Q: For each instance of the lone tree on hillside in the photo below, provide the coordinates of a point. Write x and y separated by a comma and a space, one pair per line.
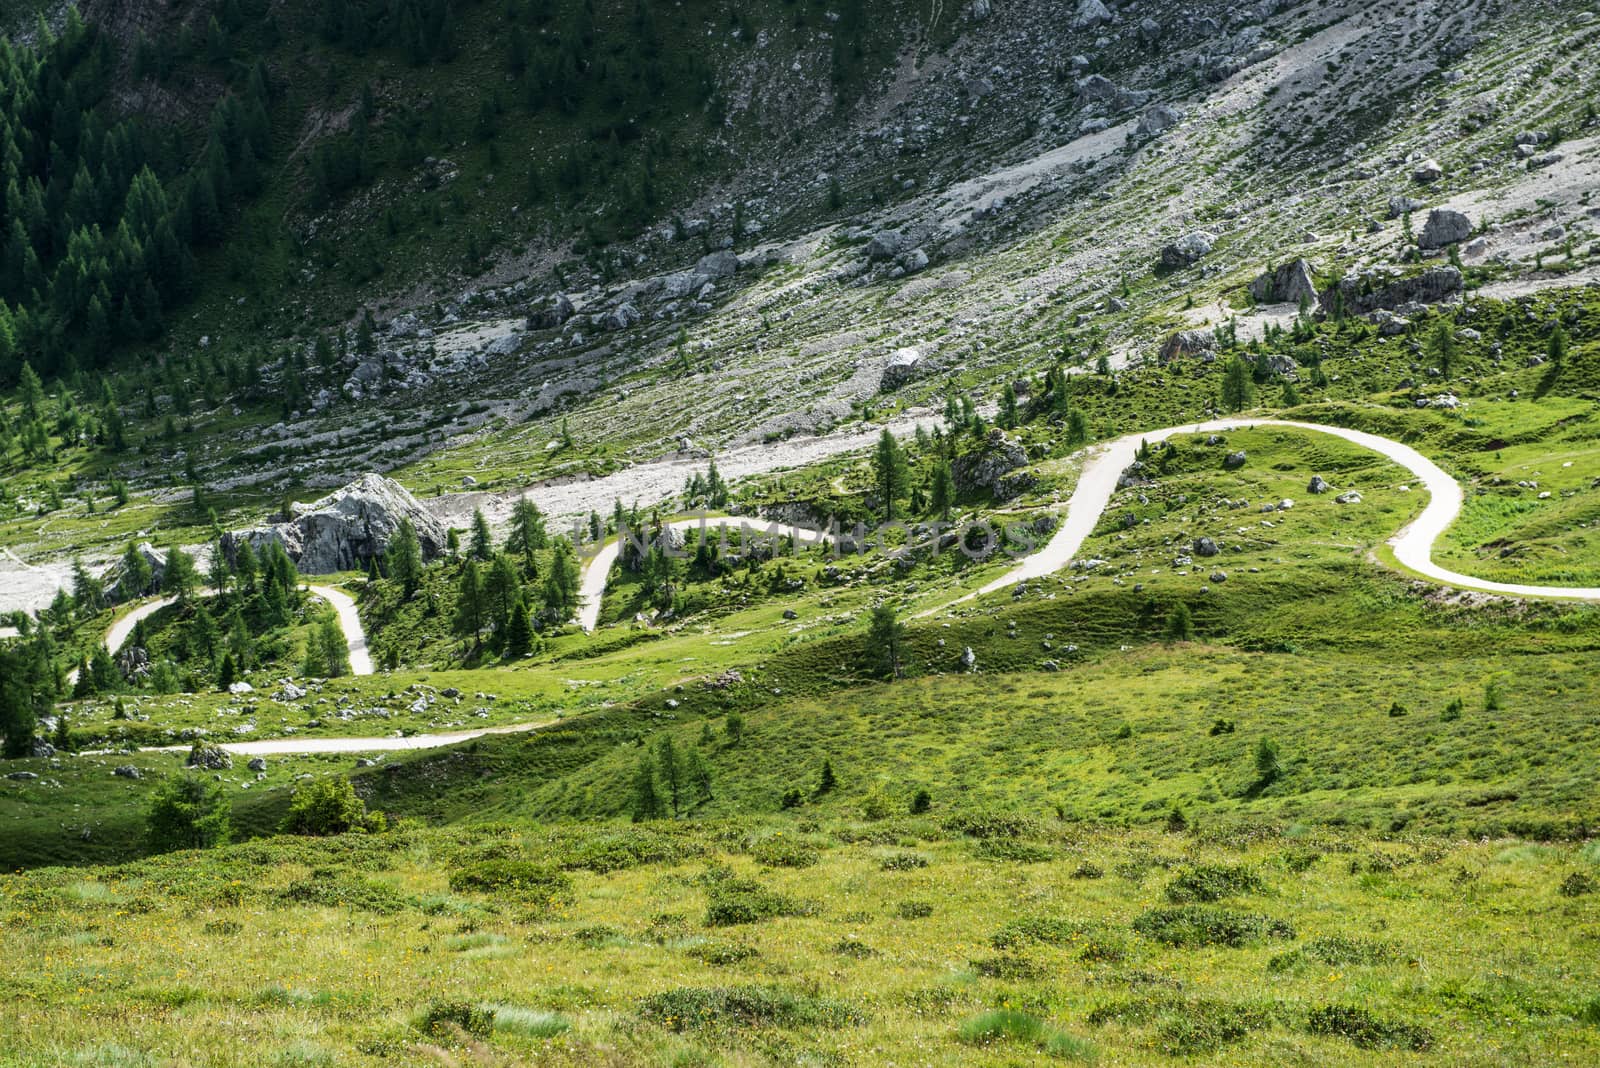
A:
1180, 624
403, 560
889, 471
944, 490
1238, 388
1442, 344
187, 812
885, 640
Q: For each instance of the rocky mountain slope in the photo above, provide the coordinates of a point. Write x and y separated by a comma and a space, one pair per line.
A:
1016, 184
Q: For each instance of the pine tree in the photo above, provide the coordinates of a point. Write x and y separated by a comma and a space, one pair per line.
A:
470, 603
698, 774
332, 647
890, 473
480, 546
944, 490
502, 587
519, 631
885, 639
527, 532
178, 576
671, 768
1237, 388
1008, 407
646, 797
403, 559
826, 782
561, 584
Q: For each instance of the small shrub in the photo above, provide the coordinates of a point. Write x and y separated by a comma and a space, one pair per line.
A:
1396, 710
738, 901
1335, 950
904, 861
722, 953
994, 824
1016, 852
854, 948
632, 847
328, 806
876, 805
1088, 870
921, 802
1208, 882
1366, 1030
1453, 710
522, 879
1201, 925
913, 910
743, 1006
1206, 1026
784, 852
442, 1019
346, 892
1008, 966
599, 936
792, 798
1578, 884
1222, 726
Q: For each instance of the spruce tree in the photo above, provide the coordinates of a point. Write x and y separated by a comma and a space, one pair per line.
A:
480, 546
646, 797
889, 471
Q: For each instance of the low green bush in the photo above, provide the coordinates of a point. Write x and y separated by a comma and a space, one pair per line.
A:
694, 1007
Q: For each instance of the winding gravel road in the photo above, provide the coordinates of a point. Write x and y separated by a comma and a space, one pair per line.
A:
1413, 544
344, 606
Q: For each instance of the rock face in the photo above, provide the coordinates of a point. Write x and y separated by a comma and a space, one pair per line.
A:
1206, 547
1091, 13
904, 366
553, 315
346, 528
1444, 227
988, 468
1158, 118
1288, 283
1188, 343
1235, 460
116, 581
1427, 171
1187, 250
885, 245
1380, 288
1318, 485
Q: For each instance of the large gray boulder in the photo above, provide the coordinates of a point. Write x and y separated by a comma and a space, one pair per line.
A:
1288, 283
720, 264
885, 245
1188, 343
1445, 226
553, 314
987, 467
345, 529
1091, 13
1188, 250
117, 583
1388, 288
1157, 119
904, 366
